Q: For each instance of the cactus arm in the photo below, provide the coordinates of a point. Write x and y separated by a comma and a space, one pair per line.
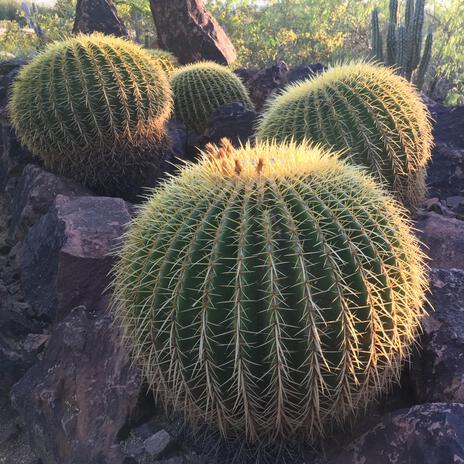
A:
425, 62
401, 51
377, 45
416, 36
409, 14
391, 44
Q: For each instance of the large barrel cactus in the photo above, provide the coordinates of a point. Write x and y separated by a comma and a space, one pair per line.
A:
93, 108
200, 89
270, 291
375, 116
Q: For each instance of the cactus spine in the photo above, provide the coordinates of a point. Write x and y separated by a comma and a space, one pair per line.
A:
200, 89
271, 291
368, 111
165, 59
404, 42
92, 108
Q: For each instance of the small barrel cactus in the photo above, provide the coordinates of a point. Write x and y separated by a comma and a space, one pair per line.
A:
200, 89
271, 291
92, 108
369, 112
165, 59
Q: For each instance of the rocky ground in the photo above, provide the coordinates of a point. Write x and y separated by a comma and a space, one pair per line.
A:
68, 391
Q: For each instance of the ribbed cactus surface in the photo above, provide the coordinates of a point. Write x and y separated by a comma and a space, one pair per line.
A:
270, 292
93, 108
165, 59
375, 116
200, 89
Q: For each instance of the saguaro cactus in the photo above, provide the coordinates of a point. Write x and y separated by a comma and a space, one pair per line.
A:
404, 42
270, 291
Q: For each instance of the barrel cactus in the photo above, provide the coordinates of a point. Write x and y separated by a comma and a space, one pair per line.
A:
165, 59
200, 89
372, 114
270, 291
92, 108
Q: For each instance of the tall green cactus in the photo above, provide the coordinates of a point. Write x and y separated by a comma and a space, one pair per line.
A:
366, 110
271, 292
92, 108
201, 88
404, 42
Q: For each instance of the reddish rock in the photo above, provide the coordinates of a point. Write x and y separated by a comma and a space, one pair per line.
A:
444, 240
98, 16
425, 434
187, 29
83, 392
67, 254
33, 194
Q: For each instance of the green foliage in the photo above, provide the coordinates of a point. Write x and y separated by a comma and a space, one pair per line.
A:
295, 31
93, 108
448, 56
272, 292
166, 60
201, 88
368, 111
137, 17
9, 9
404, 43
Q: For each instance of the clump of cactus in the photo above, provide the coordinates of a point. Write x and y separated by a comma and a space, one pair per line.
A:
200, 89
165, 59
404, 42
367, 111
270, 291
93, 108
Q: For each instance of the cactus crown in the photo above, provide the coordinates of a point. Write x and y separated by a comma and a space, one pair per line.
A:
165, 59
368, 112
404, 42
201, 88
92, 107
270, 291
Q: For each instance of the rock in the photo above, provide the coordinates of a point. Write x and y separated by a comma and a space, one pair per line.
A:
449, 125
304, 72
444, 240
67, 254
34, 193
446, 172
98, 16
233, 121
425, 434
83, 392
158, 443
438, 369
187, 29
263, 83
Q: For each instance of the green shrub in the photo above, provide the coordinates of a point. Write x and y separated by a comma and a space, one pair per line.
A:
368, 111
9, 10
271, 292
92, 108
200, 89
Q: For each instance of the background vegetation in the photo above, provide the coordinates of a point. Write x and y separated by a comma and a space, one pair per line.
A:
296, 31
